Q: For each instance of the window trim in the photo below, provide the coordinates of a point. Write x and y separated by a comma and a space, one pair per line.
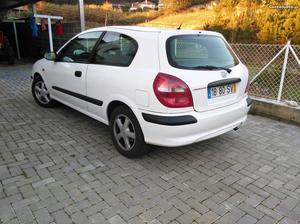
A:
93, 53
62, 50
175, 65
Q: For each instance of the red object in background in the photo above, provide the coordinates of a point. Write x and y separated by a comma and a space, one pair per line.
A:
1, 39
59, 28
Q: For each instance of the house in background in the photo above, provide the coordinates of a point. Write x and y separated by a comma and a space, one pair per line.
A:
17, 12
160, 5
118, 6
142, 6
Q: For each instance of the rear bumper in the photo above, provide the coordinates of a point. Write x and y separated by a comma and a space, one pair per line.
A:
249, 101
184, 129
171, 120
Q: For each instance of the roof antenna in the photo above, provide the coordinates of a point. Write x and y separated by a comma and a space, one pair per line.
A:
179, 28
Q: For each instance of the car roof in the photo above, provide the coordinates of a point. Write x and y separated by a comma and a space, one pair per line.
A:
154, 29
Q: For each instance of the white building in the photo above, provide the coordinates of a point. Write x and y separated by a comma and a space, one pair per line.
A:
142, 5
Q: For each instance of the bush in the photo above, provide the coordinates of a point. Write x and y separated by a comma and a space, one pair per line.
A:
175, 5
95, 14
255, 21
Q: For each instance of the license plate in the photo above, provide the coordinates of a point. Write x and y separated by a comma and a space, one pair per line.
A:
218, 91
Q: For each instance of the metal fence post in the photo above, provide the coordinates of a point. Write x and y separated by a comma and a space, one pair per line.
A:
270, 62
50, 35
286, 57
17, 40
81, 14
295, 55
106, 19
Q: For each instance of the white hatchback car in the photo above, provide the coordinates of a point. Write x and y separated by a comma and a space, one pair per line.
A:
151, 86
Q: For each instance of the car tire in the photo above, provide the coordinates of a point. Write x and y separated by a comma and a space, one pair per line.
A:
40, 93
126, 133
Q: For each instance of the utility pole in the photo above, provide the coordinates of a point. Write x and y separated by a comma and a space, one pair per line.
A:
106, 14
81, 13
106, 18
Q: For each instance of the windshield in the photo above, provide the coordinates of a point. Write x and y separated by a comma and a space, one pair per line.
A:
199, 51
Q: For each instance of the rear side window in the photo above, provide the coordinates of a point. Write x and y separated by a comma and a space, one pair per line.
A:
194, 51
116, 49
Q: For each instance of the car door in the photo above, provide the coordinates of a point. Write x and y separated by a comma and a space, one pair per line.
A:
108, 70
66, 76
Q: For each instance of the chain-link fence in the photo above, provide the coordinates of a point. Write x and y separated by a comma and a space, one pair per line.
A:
267, 83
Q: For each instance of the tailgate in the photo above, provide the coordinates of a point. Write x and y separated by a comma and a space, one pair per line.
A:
184, 54
201, 82
215, 91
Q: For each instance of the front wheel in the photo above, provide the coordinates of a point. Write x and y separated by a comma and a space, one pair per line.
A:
41, 93
126, 133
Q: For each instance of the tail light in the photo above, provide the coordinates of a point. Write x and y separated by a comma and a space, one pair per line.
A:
172, 92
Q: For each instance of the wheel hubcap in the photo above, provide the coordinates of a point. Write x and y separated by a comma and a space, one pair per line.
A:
124, 132
41, 92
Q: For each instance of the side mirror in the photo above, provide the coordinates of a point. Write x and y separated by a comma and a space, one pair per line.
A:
51, 56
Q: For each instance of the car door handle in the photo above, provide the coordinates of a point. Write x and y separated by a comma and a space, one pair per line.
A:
78, 73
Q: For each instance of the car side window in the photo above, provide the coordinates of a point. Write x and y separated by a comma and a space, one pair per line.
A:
115, 49
80, 48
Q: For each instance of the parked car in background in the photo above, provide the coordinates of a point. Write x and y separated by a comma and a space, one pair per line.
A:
151, 86
6, 50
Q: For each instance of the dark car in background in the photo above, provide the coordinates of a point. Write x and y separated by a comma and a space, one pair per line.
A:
6, 50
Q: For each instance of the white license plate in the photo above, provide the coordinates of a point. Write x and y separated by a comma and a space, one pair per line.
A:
218, 91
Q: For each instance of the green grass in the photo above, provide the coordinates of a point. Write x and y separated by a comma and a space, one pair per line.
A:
190, 19
267, 84
95, 15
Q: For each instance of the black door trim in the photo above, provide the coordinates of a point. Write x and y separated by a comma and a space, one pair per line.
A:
170, 121
224, 82
93, 52
79, 96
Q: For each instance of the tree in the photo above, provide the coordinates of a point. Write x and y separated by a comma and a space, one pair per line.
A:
255, 20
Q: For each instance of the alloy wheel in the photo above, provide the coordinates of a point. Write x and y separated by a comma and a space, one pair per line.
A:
124, 132
41, 92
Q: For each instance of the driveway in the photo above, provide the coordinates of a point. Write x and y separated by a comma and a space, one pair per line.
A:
59, 166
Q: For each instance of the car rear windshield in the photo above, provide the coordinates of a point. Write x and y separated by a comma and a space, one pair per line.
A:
198, 51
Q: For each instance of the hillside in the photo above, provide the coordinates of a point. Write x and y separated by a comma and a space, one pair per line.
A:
194, 18
245, 21
126, 2
240, 21
95, 15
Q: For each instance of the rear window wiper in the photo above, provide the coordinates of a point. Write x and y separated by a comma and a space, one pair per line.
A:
211, 67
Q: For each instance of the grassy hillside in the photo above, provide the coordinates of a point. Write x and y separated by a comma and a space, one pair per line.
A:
194, 18
75, 2
245, 21
240, 20
95, 14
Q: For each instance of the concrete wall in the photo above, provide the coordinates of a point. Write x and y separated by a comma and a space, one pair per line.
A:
276, 110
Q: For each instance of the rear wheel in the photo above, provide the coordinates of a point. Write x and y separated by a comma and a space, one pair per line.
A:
126, 133
41, 93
